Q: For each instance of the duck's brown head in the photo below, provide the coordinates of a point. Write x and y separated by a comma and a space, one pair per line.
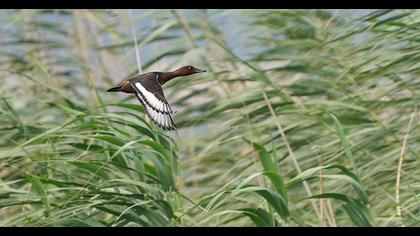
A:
188, 70
183, 71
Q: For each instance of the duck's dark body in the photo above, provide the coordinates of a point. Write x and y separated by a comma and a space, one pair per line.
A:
148, 81
148, 90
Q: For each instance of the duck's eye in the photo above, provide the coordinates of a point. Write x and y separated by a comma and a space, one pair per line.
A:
189, 68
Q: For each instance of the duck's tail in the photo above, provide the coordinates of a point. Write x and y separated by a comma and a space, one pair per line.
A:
115, 89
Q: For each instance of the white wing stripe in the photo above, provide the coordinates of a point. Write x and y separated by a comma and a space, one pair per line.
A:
162, 120
167, 123
151, 99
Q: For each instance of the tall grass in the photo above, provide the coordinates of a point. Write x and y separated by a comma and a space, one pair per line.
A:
305, 118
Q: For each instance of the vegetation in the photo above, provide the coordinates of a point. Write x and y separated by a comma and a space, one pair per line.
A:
304, 118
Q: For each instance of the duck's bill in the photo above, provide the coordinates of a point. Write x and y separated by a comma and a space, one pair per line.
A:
198, 70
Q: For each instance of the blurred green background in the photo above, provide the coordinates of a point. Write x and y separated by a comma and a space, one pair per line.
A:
304, 118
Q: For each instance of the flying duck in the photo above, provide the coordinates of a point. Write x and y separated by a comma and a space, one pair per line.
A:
148, 90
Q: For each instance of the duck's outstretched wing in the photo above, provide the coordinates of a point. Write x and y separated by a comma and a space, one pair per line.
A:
155, 104
161, 119
152, 93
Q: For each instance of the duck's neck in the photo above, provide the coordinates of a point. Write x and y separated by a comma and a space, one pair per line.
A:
166, 76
